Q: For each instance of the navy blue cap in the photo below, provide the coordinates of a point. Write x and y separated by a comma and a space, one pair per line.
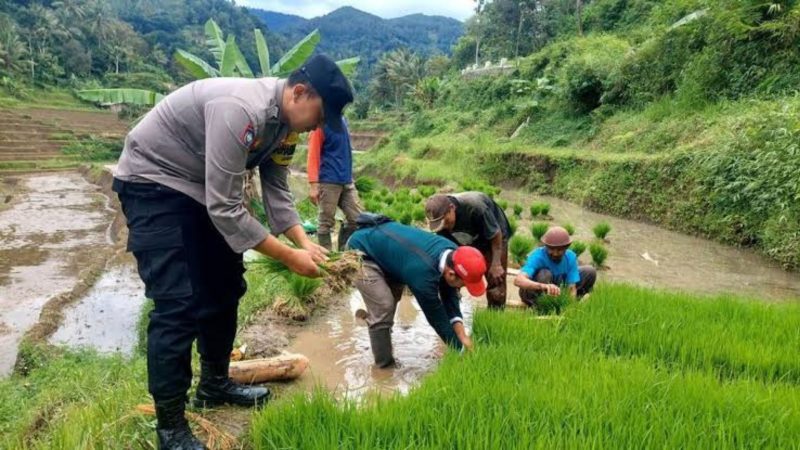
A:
330, 83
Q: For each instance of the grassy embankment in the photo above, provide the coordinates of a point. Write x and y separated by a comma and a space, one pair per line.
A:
693, 126
631, 368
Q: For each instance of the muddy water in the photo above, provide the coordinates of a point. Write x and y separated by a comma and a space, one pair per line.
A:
341, 360
651, 256
54, 225
105, 318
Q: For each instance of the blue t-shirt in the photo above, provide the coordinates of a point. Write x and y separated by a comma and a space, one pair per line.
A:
565, 272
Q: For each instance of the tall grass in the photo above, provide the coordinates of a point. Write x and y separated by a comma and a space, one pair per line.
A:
630, 368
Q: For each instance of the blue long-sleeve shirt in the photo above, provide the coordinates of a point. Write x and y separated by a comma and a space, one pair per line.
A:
412, 257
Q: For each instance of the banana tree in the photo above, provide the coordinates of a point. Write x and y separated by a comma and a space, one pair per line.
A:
230, 62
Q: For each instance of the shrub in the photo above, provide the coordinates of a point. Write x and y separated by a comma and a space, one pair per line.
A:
601, 230
599, 254
520, 247
538, 230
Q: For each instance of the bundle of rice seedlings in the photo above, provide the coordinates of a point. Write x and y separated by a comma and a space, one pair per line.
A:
520, 247
538, 230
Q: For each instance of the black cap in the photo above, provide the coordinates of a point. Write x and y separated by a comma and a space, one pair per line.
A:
330, 83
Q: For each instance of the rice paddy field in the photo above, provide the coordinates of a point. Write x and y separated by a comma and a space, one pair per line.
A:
628, 368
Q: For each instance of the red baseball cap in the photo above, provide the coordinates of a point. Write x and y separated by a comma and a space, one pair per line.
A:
470, 265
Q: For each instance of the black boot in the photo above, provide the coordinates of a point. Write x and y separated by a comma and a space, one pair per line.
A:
216, 388
381, 342
344, 234
173, 430
324, 240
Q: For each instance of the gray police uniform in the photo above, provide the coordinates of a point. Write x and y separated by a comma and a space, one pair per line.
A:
180, 181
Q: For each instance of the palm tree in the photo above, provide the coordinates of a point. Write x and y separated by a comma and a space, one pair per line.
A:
12, 49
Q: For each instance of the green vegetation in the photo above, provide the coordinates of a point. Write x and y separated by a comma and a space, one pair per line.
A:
517, 210
365, 184
520, 247
569, 227
666, 370
599, 254
512, 225
654, 114
578, 247
601, 230
538, 229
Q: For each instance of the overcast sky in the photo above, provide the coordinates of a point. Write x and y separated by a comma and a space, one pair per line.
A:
457, 9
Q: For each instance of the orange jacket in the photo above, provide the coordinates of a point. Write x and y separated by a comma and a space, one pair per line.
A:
315, 140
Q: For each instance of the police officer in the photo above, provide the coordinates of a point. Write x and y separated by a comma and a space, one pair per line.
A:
180, 181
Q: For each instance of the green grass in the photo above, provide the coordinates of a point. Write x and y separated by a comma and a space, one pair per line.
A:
629, 368
569, 227
82, 400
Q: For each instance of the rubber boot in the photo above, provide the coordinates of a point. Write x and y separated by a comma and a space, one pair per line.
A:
381, 342
325, 240
344, 235
173, 430
216, 388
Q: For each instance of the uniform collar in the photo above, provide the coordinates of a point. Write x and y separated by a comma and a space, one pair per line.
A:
443, 260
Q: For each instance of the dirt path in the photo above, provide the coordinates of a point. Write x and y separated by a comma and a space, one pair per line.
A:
54, 231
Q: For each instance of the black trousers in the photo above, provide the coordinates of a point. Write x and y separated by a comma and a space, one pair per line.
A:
193, 277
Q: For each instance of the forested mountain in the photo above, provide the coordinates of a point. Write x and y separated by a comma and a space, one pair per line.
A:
126, 42
350, 32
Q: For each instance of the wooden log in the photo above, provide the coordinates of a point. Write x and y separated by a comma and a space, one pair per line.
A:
280, 368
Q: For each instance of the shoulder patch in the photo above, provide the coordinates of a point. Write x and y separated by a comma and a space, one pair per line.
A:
248, 136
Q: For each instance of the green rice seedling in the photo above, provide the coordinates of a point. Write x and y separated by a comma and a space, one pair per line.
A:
427, 191
517, 210
372, 205
538, 229
302, 287
599, 254
502, 204
384, 191
520, 247
569, 227
416, 197
601, 230
365, 184
406, 217
419, 214
548, 304
664, 367
388, 199
535, 210
512, 225
545, 208
578, 247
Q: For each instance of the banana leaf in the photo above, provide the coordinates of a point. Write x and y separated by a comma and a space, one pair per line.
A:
298, 54
194, 65
140, 97
263, 53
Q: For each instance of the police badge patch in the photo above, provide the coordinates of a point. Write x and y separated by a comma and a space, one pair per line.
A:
248, 135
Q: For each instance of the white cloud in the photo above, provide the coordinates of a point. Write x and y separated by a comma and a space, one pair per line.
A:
457, 9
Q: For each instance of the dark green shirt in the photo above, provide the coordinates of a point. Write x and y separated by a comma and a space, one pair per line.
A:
412, 257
